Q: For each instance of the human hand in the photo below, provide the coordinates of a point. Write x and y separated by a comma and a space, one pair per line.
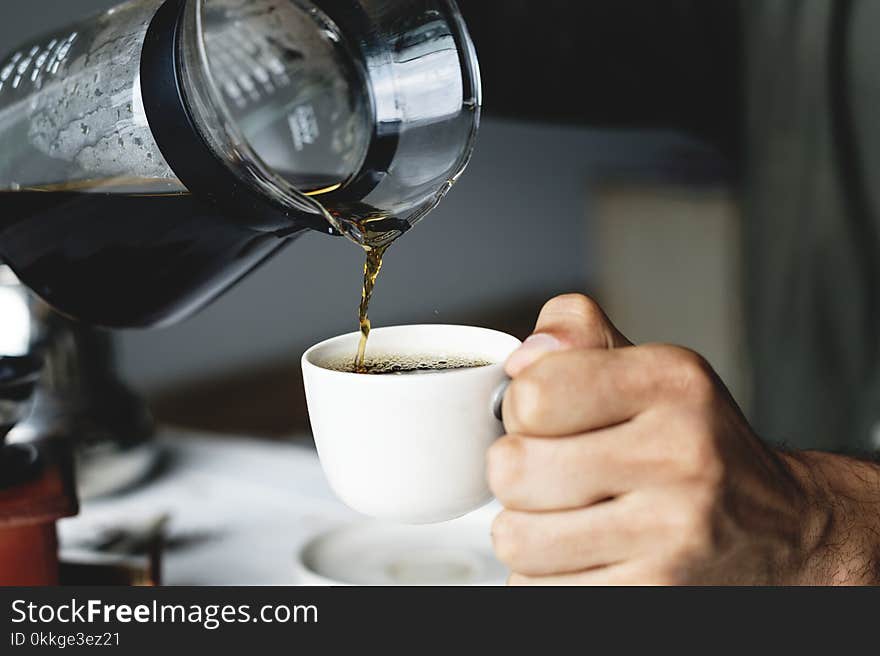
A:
633, 465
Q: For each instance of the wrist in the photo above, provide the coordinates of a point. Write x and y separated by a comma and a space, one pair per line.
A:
840, 538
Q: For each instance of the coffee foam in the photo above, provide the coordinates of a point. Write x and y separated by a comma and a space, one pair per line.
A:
408, 364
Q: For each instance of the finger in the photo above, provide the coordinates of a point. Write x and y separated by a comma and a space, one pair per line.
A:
579, 391
542, 544
629, 573
537, 474
570, 321
670, 445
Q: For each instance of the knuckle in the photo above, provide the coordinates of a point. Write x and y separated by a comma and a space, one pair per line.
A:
691, 374
697, 377
505, 464
698, 454
693, 530
587, 313
507, 539
575, 304
667, 575
657, 570
685, 516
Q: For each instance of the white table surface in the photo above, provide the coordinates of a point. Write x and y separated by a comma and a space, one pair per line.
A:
246, 506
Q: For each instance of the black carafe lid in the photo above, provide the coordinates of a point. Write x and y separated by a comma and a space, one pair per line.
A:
19, 463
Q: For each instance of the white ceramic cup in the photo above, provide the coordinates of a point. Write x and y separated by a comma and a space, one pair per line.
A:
408, 448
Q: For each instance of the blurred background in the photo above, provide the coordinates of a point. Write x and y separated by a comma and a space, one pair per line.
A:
703, 168
569, 191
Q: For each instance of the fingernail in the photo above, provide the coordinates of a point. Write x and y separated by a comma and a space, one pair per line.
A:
532, 349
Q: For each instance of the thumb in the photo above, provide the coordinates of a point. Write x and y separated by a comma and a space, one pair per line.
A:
570, 321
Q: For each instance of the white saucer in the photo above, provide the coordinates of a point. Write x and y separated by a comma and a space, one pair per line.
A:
373, 553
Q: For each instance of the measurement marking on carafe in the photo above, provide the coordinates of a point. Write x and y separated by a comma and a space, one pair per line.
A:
304, 126
6, 72
23, 66
55, 48
45, 60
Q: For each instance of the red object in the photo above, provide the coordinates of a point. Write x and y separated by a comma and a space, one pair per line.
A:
28, 541
29, 555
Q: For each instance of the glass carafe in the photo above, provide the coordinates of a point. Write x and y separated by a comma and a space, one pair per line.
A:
153, 155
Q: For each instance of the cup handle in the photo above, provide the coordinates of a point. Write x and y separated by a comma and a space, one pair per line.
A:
498, 400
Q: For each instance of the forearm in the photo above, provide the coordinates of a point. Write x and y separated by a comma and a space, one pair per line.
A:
841, 540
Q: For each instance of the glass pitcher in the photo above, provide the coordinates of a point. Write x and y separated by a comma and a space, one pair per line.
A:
153, 155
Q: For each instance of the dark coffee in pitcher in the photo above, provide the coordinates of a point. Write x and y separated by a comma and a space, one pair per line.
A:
153, 155
134, 252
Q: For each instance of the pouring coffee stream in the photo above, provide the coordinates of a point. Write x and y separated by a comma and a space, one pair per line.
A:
372, 267
154, 155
